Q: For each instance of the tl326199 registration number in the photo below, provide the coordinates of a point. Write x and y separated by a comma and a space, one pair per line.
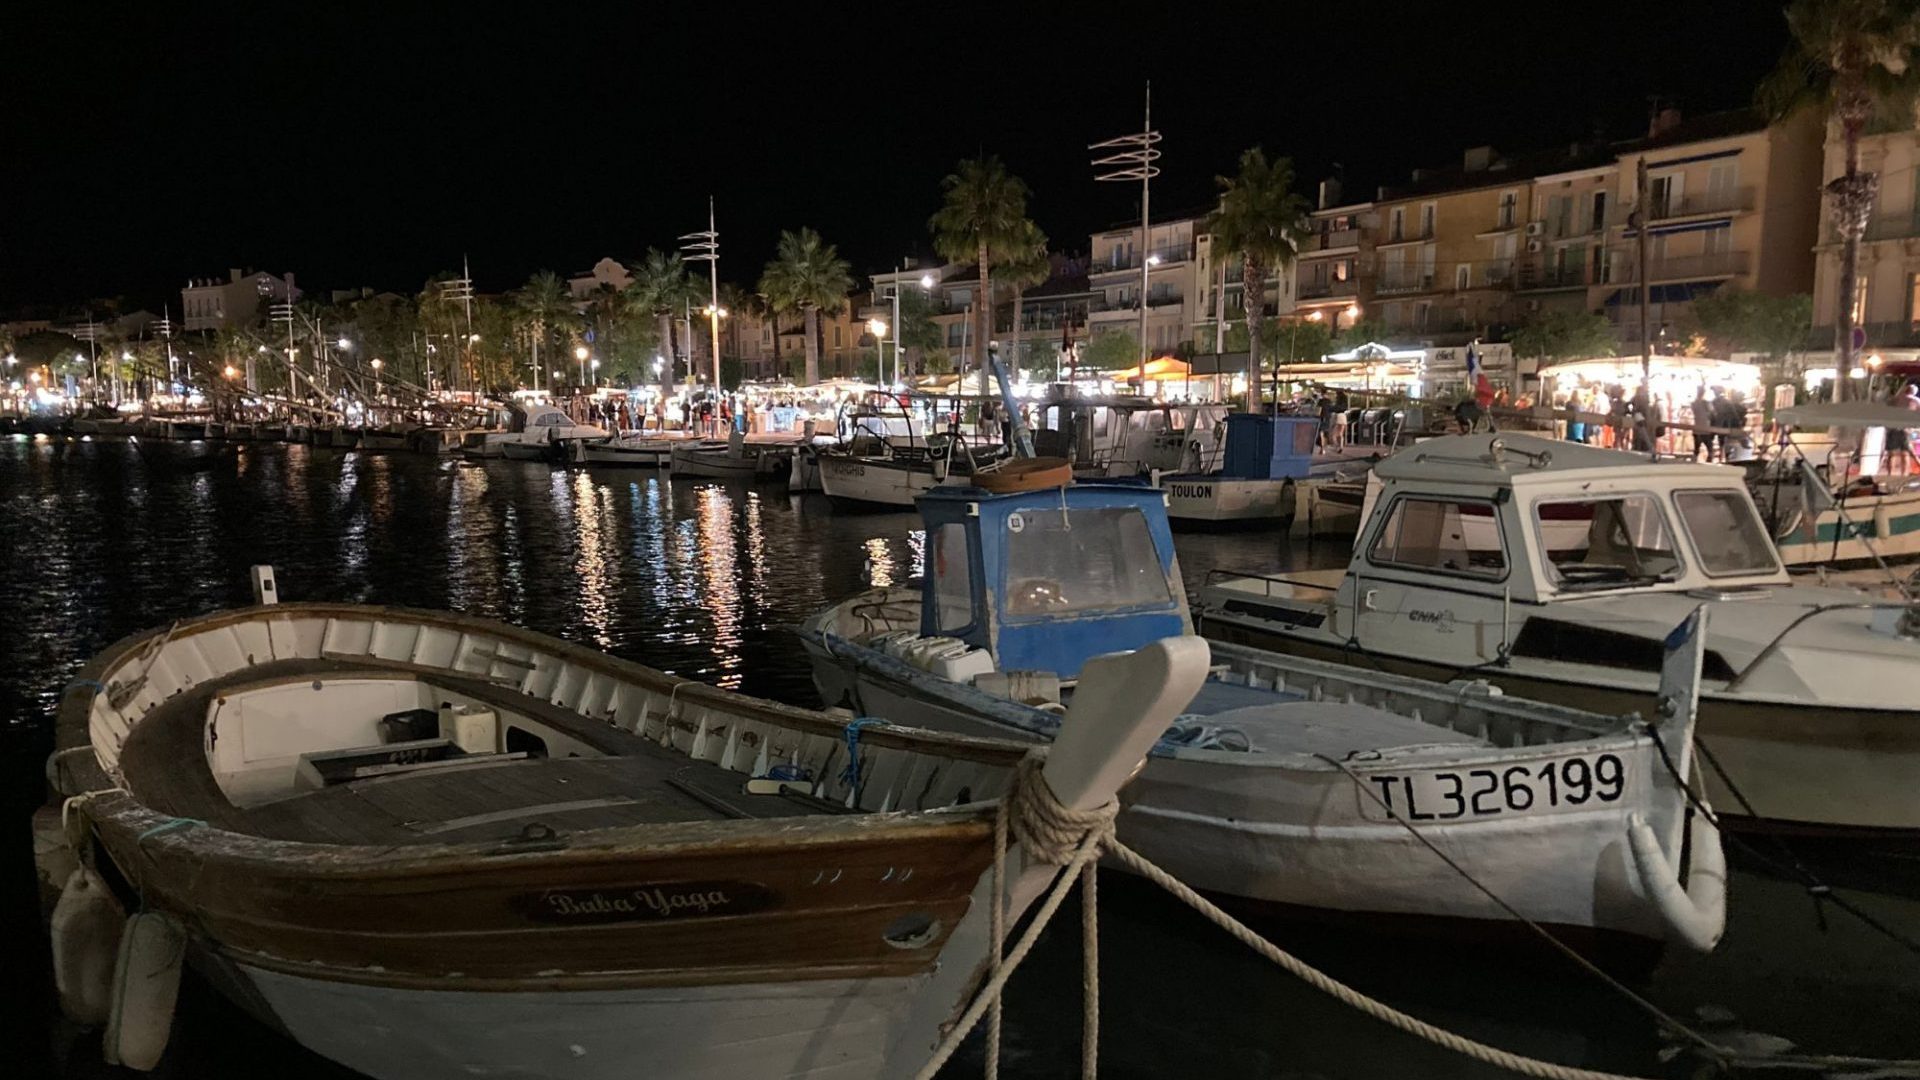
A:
1579, 782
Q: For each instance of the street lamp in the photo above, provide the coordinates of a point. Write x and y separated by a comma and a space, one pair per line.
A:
926, 281
580, 354
878, 328
344, 343
596, 372
231, 372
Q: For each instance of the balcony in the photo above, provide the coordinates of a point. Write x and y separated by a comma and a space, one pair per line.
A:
1406, 236
1718, 264
1337, 240
1176, 253
1541, 277
1317, 290
1706, 202
1400, 280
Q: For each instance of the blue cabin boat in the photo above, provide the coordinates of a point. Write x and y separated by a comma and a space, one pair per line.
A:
1044, 580
1262, 459
1260, 789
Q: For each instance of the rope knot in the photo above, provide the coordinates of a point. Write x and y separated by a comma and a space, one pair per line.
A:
1048, 830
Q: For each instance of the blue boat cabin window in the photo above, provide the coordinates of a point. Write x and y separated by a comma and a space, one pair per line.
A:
1082, 560
1449, 536
952, 578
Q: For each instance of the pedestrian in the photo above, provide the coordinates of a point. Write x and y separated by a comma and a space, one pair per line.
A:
1703, 439
1324, 408
1340, 408
1576, 428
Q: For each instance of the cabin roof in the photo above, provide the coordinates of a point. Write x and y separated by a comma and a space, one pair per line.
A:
1527, 460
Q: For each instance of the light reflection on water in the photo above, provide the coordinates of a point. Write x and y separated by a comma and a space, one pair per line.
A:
701, 579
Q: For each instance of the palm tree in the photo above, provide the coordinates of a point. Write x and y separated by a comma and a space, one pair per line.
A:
1026, 266
1850, 58
807, 275
1261, 220
983, 219
545, 304
661, 290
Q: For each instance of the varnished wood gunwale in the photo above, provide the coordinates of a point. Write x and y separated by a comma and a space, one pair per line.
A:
455, 916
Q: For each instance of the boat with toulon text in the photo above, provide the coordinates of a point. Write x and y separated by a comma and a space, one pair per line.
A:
1555, 570
1287, 781
431, 846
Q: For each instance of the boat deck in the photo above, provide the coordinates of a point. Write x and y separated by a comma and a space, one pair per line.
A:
493, 798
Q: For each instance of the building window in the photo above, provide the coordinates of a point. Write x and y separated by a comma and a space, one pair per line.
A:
1663, 195
1426, 221
1343, 270
1508, 201
1462, 277
1397, 227
1913, 302
1860, 303
1599, 220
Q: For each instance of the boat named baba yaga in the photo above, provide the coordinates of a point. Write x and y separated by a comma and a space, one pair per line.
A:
431, 846
1554, 570
1291, 782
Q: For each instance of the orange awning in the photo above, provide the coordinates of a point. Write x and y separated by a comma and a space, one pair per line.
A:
1166, 367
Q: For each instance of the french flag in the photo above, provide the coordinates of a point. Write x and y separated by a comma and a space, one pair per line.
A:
1482, 389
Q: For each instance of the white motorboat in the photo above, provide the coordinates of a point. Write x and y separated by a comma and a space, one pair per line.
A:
1867, 515
431, 846
1554, 570
626, 451
538, 432
1288, 781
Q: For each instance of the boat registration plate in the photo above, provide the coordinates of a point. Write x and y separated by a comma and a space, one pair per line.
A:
1544, 786
842, 468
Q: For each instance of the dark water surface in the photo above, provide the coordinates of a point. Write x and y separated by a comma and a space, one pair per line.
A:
98, 540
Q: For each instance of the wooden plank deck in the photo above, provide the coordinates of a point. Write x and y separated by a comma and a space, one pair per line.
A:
498, 799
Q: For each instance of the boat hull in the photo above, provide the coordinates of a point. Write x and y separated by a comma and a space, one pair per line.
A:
813, 1028
1220, 500
1880, 527
1834, 771
709, 463
1288, 830
857, 483
595, 453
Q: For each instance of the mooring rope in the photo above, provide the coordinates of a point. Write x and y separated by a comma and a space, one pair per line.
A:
1073, 840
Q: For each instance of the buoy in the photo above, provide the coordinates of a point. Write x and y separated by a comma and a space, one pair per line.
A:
1025, 474
54, 860
86, 929
146, 984
1697, 915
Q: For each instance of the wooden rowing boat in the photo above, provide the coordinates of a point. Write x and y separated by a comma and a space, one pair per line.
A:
428, 845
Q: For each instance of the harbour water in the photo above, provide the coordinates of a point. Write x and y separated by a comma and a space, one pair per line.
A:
98, 540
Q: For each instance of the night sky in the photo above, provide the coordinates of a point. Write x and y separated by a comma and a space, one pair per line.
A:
375, 144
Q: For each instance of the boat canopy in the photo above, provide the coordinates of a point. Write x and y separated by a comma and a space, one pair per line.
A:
1859, 414
1514, 460
1045, 580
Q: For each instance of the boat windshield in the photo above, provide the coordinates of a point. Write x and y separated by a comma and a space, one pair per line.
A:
1062, 563
1726, 532
1606, 542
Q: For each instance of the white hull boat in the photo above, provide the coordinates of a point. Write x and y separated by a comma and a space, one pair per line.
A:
1288, 781
1216, 499
640, 453
445, 847
1469, 562
730, 460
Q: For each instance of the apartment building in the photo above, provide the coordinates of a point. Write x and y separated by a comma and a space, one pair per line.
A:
1731, 203
1174, 290
241, 300
1887, 288
1332, 277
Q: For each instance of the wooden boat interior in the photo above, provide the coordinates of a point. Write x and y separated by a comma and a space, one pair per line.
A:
421, 730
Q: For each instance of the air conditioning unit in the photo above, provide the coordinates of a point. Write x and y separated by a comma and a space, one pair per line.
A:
1533, 245
1535, 228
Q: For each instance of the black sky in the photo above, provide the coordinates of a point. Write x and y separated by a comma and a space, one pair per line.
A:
374, 144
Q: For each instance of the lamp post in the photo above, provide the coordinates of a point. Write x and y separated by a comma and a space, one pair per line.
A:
594, 372
878, 328
714, 313
376, 376
580, 354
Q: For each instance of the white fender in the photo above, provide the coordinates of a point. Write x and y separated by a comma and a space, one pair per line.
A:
146, 984
54, 860
86, 929
1697, 916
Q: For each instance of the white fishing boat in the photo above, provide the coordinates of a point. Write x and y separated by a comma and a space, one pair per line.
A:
1288, 781
891, 478
385, 439
1837, 508
431, 847
624, 451
1554, 570
1252, 480
733, 459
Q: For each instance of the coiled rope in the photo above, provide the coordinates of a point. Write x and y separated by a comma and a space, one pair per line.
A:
1073, 840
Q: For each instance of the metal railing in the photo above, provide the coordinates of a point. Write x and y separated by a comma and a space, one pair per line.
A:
1703, 202
1314, 290
1407, 280
1328, 241
1711, 264
1536, 276
1170, 254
